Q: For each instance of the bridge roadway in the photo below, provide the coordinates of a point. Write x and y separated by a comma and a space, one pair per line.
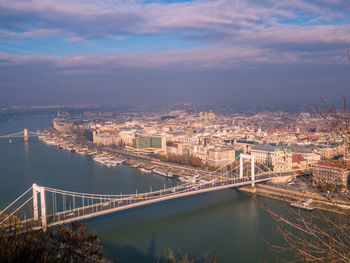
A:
20, 134
115, 205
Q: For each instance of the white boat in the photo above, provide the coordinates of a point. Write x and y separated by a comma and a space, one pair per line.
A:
50, 142
143, 170
100, 159
163, 173
106, 161
82, 151
303, 205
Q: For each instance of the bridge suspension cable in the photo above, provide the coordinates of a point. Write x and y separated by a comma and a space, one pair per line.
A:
20, 134
34, 133
18, 198
12, 135
95, 196
16, 210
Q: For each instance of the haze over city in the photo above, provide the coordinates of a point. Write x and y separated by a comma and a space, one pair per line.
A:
159, 52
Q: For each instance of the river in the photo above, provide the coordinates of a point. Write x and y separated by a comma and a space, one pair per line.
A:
228, 224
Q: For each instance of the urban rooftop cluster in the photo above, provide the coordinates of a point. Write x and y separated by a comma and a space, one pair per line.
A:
280, 141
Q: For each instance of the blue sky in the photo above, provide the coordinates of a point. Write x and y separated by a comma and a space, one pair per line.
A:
61, 45
204, 51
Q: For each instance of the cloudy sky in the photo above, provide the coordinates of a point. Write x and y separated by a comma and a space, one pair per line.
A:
131, 52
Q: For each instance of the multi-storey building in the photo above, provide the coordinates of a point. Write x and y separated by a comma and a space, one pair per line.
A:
151, 142
174, 148
63, 125
110, 137
280, 156
325, 173
219, 156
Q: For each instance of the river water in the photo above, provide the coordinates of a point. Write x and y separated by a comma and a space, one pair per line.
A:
227, 224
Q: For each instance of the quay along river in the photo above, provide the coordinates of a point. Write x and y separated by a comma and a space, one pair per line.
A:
227, 224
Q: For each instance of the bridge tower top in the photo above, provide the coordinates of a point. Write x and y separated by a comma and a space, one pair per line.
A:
252, 166
25, 135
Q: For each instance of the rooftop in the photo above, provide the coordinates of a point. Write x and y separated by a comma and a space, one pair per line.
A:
270, 147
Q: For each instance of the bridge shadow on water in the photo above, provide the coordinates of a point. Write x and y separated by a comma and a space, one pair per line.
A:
190, 205
129, 254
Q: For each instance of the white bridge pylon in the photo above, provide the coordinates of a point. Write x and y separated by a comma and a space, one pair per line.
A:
39, 190
252, 167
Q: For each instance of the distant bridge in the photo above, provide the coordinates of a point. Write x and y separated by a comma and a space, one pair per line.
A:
24, 134
47, 207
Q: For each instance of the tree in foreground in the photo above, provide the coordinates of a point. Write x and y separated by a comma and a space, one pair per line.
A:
180, 257
69, 243
322, 236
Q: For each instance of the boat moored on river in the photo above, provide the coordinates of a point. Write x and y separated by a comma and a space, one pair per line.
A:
307, 205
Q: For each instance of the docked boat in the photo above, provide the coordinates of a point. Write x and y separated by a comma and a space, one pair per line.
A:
107, 161
163, 173
307, 205
100, 159
49, 141
136, 165
82, 151
144, 170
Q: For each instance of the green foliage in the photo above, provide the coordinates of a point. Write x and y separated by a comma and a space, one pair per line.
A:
331, 187
85, 134
182, 159
341, 187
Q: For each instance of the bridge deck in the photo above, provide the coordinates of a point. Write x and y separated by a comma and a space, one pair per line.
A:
116, 205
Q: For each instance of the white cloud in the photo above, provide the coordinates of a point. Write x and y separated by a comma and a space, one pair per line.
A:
236, 31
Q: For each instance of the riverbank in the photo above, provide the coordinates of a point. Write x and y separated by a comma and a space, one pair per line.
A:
286, 195
112, 156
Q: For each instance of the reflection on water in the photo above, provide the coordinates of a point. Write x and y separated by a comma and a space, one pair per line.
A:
26, 150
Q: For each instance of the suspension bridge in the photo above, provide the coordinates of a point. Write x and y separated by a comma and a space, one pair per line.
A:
22, 134
44, 207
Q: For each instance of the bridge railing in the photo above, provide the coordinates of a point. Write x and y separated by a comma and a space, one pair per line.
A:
109, 204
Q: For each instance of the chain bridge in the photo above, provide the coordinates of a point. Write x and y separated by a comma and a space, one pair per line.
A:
22, 134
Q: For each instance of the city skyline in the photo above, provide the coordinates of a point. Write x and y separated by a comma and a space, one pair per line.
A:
164, 52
